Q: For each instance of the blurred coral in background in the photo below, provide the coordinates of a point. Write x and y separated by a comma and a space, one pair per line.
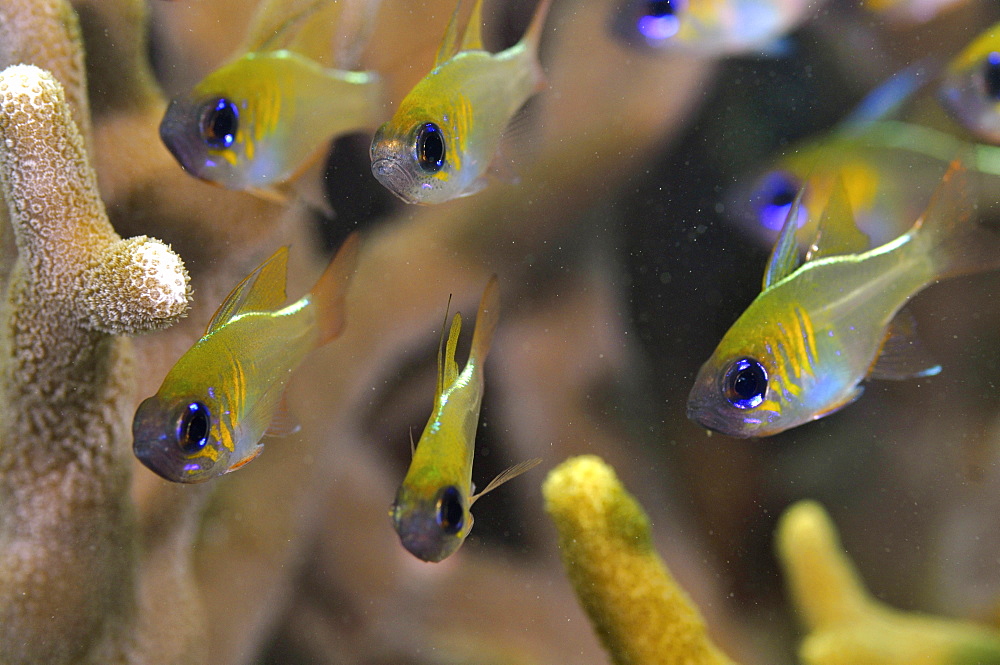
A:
623, 254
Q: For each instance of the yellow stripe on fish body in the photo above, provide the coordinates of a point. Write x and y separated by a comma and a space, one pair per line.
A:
447, 130
431, 509
224, 394
802, 347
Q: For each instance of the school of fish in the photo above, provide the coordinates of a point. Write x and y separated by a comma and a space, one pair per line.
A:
802, 349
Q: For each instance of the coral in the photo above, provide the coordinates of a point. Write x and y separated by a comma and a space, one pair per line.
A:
67, 535
846, 625
639, 612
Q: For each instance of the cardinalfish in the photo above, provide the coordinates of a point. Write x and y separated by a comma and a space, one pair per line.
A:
709, 27
445, 135
889, 166
431, 510
226, 392
971, 88
267, 115
801, 349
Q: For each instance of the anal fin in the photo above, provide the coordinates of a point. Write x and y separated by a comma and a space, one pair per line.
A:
902, 355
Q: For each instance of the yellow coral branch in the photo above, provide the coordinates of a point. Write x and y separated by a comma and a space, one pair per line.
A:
847, 626
639, 612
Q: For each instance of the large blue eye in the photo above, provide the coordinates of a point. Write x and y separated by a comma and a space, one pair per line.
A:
658, 19
220, 120
745, 383
193, 428
450, 514
991, 76
773, 198
429, 147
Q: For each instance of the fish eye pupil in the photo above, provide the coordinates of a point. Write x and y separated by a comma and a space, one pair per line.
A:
219, 123
450, 514
991, 75
430, 147
193, 428
660, 8
745, 383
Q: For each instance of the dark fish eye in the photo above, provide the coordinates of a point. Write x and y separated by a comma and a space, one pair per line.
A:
450, 514
774, 197
991, 76
193, 428
745, 383
658, 19
429, 147
219, 123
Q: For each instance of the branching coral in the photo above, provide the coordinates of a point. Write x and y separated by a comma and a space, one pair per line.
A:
846, 624
638, 610
67, 542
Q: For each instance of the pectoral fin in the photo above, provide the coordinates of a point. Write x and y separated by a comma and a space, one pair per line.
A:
507, 474
902, 355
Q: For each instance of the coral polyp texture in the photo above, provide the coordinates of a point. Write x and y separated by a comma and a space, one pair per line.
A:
846, 625
638, 610
67, 531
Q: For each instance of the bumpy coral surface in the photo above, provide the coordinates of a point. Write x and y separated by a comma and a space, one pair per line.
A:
67, 536
638, 610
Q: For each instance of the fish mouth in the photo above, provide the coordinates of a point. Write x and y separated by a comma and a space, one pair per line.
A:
421, 536
390, 172
179, 133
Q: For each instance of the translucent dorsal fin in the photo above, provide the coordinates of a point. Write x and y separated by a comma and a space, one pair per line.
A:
262, 290
505, 475
785, 255
440, 364
902, 355
472, 40
276, 22
450, 369
838, 232
449, 43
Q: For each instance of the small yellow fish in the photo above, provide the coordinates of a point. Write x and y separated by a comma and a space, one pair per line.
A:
447, 130
431, 510
815, 332
971, 88
225, 392
264, 117
709, 27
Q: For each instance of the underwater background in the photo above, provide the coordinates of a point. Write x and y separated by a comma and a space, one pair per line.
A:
624, 250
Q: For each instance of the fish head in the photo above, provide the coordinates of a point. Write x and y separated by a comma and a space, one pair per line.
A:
760, 380
971, 88
227, 130
181, 440
431, 523
416, 159
730, 396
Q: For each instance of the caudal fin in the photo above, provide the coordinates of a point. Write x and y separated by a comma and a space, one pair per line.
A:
330, 291
486, 322
955, 243
533, 37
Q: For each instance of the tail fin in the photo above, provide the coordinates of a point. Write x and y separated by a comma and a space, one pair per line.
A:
330, 291
486, 322
954, 242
